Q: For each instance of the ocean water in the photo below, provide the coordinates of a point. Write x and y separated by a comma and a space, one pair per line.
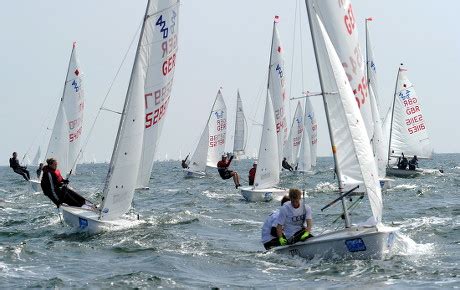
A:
201, 233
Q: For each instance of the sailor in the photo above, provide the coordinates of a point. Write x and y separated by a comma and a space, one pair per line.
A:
402, 162
252, 173
286, 165
39, 170
222, 167
17, 168
55, 187
184, 163
413, 163
269, 236
295, 219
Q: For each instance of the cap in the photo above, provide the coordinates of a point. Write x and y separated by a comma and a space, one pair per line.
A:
224, 155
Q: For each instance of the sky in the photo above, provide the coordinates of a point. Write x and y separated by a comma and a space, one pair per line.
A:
221, 44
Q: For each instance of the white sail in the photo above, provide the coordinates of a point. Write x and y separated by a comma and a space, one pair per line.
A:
351, 142
304, 162
341, 26
158, 50
37, 157
292, 148
268, 170
160, 20
311, 127
276, 86
65, 141
217, 125
241, 128
199, 157
409, 133
377, 139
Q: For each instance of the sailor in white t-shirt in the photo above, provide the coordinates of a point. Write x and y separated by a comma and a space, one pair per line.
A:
269, 237
295, 219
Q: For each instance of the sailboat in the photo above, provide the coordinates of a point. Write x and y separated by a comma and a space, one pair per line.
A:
273, 132
307, 154
37, 157
408, 130
377, 139
212, 141
159, 31
268, 170
370, 239
65, 141
293, 145
241, 129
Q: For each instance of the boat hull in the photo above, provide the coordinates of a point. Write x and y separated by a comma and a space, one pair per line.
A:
356, 243
84, 219
404, 173
35, 185
193, 174
386, 183
258, 195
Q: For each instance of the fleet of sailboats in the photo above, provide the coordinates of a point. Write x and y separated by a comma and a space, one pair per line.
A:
363, 147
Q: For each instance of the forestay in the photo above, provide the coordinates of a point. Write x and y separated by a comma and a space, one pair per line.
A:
217, 125
377, 140
292, 148
276, 86
268, 170
157, 34
349, 132
311, 127
64, 145
409, 134
240, 138
158, 52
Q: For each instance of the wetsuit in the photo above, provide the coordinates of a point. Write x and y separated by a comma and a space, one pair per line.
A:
413, 163
252, 175
21, 170
286, 165
184, 163
55, 188
222, 167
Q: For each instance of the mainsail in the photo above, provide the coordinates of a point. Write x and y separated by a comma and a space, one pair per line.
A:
408, 133
156, 38
377, 139
65, 138
292, 148
349, 139
241, 128
158, 51
311, 129
276, 86
217, 125
268, 170
199, 157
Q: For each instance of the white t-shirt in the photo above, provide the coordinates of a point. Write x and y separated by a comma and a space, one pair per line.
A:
292, 219
267, 227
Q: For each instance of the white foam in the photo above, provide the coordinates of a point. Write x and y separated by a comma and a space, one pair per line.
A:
404, 245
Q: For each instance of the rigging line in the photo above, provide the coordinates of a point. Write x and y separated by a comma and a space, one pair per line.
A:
101, 108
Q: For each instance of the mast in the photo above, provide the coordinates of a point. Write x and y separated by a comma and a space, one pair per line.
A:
123, 113
320, 73
392, 116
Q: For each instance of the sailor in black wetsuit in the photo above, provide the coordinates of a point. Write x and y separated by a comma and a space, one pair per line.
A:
286, 165
21, 170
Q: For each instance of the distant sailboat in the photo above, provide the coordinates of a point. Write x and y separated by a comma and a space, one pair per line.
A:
408, 130
211, 145
293, 145
37, 157
159, 29
347, 130
241, 129
65, 141
273, 132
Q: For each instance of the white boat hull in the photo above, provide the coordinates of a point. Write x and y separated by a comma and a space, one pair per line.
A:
84, 219
356, 243
35, 185
404, 173
193, 174
256, 195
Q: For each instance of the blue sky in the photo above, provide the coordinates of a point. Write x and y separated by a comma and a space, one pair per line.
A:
221, 43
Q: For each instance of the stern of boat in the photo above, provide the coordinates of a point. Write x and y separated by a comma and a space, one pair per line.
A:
83, 219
